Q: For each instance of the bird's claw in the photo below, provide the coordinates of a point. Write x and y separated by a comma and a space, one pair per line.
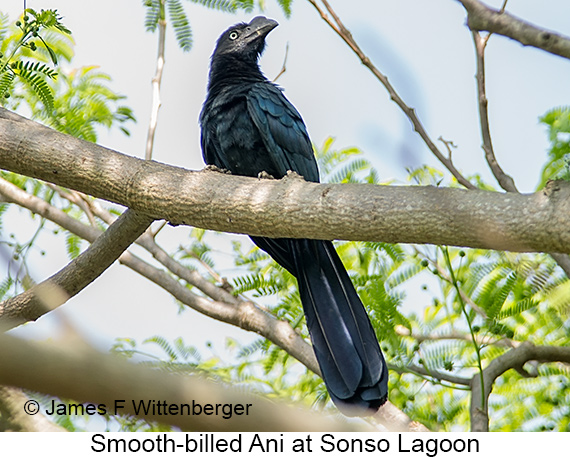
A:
264, 175
217, 169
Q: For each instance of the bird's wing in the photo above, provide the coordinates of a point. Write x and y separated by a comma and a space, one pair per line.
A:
282, 130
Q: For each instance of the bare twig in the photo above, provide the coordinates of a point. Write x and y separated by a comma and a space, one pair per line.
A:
502, 10
192, 277
481, 340
336, 24
515, 358
76, 198
156, 81
504, 180
156, 231
432, 374
213, 273
284, 66
449, 145
482, 18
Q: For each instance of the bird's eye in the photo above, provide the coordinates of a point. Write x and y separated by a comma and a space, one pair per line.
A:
233, 35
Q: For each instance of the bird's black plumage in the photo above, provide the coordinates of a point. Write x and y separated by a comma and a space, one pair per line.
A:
249, 127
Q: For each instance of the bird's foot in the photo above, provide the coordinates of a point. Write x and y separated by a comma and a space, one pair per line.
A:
293, 175
217, 169
264, 175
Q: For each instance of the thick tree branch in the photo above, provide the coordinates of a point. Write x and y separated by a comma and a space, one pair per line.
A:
291, 207
515, 358
77, 275
77, 374
336, 24
482, 18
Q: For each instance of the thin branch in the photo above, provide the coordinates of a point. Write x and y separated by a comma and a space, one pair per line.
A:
284, 66
454, 335
433, 374
482, 18
156, 81
213, 273
513, 359
502, 10
192, 277
449, 145
504, 180
76, 275
336, 24
476, 346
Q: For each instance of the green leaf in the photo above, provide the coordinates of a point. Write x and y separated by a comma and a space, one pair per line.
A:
42, 90
558, 165
73, 245
228, 6
154, 11
180, 24
517, 308
52, 54
286, 7
25, 69
6, 81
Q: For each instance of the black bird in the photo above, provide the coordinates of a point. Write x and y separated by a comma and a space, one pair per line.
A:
249, 127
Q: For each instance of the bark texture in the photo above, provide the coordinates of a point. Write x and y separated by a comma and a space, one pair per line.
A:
291, 207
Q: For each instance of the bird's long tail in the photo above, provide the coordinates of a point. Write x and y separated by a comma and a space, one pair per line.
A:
351, 362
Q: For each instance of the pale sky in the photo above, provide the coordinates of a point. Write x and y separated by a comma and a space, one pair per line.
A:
425, 49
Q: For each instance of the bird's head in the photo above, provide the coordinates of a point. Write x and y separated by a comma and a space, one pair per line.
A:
245, 41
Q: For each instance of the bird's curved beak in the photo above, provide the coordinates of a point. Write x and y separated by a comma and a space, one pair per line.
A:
259, 27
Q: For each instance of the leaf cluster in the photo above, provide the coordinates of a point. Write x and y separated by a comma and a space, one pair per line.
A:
77, 102
557, 121
30, 36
